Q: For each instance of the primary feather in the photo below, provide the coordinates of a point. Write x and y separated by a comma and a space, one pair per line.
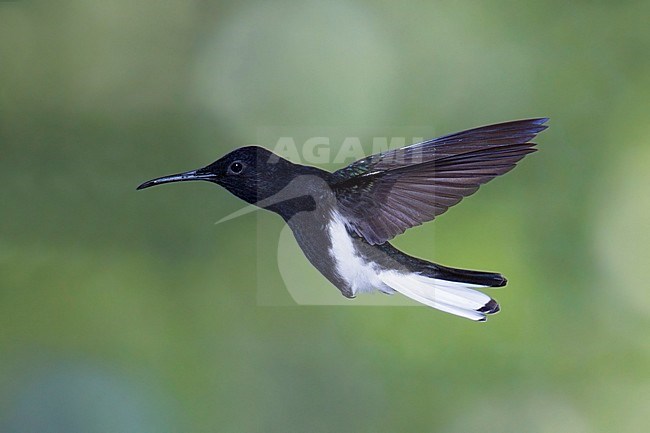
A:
383, 195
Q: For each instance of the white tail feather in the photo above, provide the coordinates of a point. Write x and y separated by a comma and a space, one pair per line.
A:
449, 296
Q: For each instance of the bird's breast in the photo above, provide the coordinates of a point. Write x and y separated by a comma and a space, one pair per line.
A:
329, 247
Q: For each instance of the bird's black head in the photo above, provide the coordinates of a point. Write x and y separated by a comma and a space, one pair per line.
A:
251, 173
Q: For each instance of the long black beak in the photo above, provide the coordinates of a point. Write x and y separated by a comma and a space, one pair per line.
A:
180, 177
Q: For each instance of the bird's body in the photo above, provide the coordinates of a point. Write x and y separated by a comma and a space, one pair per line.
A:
342, 221
354, 266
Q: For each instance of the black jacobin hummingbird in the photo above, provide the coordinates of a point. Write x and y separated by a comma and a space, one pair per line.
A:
343, 220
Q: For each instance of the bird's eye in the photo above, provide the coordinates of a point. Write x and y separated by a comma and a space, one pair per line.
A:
236, 167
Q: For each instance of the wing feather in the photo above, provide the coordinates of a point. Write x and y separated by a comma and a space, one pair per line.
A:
383, 195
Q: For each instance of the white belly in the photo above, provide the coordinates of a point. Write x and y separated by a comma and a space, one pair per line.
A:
360, 275
363, 276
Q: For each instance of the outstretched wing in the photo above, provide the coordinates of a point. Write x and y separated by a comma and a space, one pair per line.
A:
383, 195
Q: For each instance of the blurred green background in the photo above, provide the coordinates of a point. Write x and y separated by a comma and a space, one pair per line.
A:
125, 311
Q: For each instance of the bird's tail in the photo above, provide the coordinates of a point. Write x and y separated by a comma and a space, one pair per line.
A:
455, 297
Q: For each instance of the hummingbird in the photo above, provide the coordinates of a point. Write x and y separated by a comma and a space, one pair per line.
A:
343, 220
